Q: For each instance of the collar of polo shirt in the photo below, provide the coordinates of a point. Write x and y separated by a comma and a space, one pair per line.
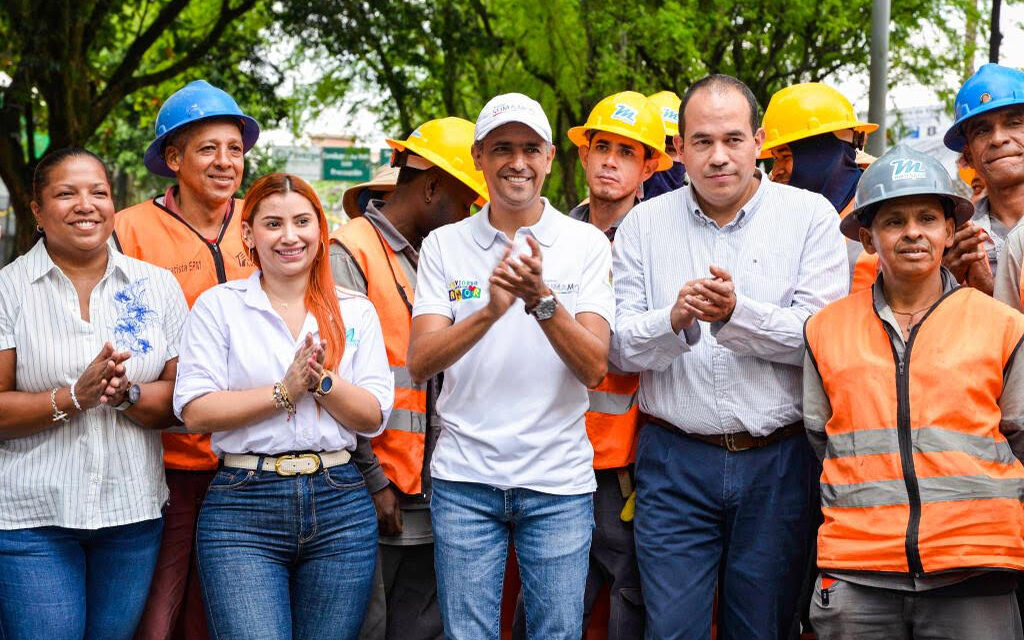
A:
545, 231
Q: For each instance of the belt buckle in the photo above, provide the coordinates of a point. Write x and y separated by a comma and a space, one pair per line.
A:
294, 472
730, 443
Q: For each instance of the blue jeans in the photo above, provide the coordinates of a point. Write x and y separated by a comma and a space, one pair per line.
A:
707, 515
551, 533
283, 558
76, 584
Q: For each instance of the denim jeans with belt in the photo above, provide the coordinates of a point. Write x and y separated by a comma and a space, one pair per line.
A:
286, 557
551, 533
76, 584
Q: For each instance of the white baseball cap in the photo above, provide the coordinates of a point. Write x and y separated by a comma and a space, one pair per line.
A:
512, 107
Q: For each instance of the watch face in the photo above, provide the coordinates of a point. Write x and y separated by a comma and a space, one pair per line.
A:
134, 392
325, 384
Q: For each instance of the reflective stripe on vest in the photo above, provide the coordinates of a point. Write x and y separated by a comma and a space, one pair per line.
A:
918, 477
614, 420
153, 234
615, 404
401, 447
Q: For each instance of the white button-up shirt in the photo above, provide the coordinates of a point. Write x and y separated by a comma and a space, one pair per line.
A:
512, 411
787, 260
100, 469
234, 340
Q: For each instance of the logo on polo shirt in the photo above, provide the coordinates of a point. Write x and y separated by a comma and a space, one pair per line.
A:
351, 338
463, 290
563, 287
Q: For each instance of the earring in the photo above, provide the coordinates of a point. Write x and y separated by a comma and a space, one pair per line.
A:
39, 228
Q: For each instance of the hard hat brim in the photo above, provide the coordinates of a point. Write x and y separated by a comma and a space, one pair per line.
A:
441, 162
578, 136
856, 125
955, 139
963, 210
154, 159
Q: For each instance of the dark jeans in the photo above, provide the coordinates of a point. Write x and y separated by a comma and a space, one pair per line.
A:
612, 562
287, 558
174, 607
707, 515
75, 584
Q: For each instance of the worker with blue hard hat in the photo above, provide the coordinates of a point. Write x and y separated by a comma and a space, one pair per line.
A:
989, 130
194, 230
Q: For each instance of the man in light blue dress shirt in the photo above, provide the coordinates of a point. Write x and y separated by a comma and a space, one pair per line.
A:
713, 284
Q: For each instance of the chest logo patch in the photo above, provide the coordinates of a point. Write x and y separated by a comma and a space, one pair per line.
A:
463, 290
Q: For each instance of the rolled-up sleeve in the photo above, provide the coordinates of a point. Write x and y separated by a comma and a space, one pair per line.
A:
203, 353
775, 333
643, 338
370, 367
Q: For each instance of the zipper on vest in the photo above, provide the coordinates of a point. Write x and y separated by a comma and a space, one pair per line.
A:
218, 261
903, 435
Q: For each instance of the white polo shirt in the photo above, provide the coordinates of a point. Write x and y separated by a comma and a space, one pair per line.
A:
511, 410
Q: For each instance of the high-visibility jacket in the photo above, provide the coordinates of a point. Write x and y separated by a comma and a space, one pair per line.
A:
865, 269
402, 446
151, 232
917, 477
613, 420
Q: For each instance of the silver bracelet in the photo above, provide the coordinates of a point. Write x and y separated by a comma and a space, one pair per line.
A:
74, 398
58, 415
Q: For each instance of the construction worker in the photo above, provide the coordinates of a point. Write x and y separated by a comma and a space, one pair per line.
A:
514, 305
376, 253
989, 130
973, 180
813, 135
913, 401
192, 229
710, 301
620, 145
380, 186
672, 177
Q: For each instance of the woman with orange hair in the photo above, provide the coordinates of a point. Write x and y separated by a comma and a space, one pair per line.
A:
284, 369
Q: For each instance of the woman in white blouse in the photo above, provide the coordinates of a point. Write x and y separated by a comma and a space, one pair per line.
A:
88, 351
285, 369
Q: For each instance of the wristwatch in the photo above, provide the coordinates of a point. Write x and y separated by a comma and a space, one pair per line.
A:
545, 307
324, 386
131, 398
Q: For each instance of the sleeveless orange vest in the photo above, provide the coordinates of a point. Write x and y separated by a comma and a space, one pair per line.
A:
152, 233
865, 269
917, 477
613, 420
401, 447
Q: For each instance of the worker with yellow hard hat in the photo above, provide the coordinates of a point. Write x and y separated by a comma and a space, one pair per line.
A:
667, 103
376, 253
814, 137
621, 144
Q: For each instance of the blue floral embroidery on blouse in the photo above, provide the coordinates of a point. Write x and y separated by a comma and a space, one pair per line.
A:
133, 315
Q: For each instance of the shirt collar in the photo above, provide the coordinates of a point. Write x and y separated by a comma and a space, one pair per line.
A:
878, 295
392, 236
40, 263
746, 211
545, 230
254, 296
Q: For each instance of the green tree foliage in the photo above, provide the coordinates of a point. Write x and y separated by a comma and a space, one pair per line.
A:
94, 72
429, 58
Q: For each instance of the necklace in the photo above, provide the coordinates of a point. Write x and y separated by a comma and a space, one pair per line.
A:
911, 313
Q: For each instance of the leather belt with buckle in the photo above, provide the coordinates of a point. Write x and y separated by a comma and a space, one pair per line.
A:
288, 465
742, 441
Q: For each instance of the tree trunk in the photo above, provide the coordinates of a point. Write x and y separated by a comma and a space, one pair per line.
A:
995, 37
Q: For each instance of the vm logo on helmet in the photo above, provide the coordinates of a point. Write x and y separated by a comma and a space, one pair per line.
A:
669, 114
624, 113
907, 170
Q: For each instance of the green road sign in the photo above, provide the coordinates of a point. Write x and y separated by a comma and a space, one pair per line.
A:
350, 164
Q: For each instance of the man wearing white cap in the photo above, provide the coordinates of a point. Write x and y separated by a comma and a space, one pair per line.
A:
512, 459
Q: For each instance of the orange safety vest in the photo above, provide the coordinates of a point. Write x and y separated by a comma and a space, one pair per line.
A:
917, 477
152, 233
613, 420
402, 446
865, 269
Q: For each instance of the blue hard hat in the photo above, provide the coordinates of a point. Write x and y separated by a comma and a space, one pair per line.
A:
993, 86
195, 101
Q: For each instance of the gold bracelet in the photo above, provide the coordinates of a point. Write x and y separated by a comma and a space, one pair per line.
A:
282, 399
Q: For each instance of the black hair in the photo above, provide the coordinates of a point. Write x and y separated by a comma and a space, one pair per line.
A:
648, 150
719, 82
41, 175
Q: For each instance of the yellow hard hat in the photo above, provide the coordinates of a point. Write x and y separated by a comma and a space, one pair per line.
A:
447, 142
631, 115
667, 103
967, 174
805, 110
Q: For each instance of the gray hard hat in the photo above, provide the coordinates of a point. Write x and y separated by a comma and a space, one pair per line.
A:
900, 172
